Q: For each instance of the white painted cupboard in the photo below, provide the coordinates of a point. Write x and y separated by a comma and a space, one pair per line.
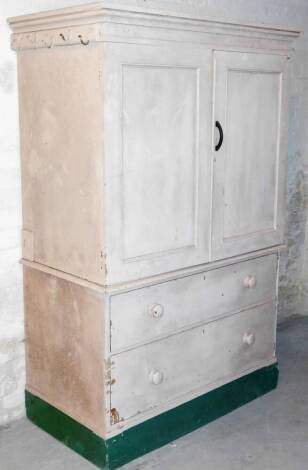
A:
153, 149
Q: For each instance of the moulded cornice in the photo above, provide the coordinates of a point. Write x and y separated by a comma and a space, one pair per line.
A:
91, 22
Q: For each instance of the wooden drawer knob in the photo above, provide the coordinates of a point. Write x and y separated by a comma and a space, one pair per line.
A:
156, 310
249, 339
156, 377
250, 281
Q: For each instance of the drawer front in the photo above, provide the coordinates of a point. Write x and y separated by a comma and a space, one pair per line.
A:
144, 314
154, 374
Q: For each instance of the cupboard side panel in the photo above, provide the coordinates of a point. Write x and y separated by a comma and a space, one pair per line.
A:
64, 346
61, 148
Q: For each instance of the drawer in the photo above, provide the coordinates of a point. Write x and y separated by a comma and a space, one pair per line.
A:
159, 372
145, 314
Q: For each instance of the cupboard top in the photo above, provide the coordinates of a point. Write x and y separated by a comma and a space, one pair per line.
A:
106, 20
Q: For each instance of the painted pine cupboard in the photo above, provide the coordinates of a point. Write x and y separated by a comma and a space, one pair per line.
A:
153, 149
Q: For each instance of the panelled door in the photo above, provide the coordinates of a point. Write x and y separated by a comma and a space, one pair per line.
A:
250, 117
157, 146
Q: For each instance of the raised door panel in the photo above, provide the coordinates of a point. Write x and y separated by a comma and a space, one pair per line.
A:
157, 148
250, 104
159, 158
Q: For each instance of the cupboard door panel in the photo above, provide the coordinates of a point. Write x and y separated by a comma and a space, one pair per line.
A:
159, 158
157, 145
249, 167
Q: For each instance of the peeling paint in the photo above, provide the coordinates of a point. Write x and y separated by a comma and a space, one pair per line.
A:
114, 416
108, 381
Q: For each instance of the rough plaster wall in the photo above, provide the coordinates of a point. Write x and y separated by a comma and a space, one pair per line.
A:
293, 292
294, 265
11, 324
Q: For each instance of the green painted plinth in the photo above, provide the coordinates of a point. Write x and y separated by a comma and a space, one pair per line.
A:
155, 432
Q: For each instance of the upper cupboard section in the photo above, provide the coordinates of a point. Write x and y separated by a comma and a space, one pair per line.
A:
157, 141
122, 181
172, 200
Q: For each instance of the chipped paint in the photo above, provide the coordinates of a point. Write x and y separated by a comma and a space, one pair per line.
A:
114, 416
108, 380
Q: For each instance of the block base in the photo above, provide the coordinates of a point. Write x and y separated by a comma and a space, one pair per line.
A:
155, 432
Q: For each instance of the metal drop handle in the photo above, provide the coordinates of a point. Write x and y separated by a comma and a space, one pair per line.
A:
221, 135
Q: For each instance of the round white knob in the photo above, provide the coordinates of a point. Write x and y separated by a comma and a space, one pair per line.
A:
249, 339
250, 281
156, 377
156, 310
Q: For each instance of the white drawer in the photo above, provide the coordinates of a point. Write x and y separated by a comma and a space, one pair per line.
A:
144, 314
154, 374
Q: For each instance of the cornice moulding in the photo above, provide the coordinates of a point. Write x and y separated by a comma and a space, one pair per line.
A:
47, 28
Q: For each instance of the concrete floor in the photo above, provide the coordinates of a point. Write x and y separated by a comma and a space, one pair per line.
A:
270, 433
